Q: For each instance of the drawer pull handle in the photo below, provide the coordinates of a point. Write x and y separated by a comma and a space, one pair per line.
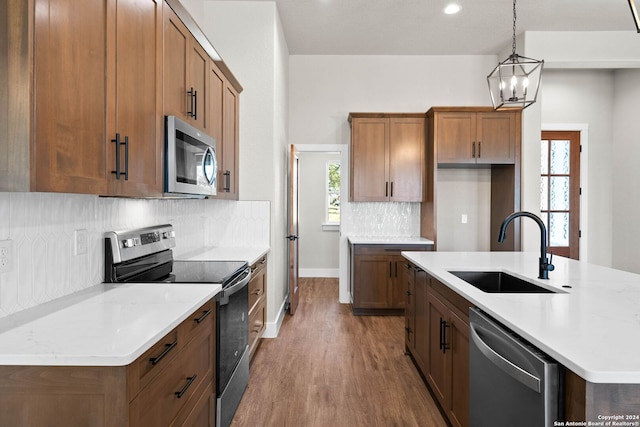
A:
263, 261
168, 348
258, 292
204, 315
190, 381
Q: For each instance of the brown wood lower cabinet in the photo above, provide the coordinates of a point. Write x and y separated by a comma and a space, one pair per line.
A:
438, 340
257, 304
377, 277
448, 355
171, 384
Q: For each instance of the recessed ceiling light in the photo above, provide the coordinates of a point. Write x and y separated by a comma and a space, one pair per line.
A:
451, 9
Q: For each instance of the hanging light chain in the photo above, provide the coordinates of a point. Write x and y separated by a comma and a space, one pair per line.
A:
513, 45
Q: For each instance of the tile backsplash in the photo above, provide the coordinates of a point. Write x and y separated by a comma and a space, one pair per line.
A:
382, 219
42, 226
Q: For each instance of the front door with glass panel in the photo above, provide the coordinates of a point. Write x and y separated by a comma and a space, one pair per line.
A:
560, 191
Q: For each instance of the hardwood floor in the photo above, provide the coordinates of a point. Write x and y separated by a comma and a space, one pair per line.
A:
330, 368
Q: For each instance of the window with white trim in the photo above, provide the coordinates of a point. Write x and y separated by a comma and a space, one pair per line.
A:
332, 203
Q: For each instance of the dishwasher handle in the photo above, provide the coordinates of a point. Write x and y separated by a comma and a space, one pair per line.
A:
506, 365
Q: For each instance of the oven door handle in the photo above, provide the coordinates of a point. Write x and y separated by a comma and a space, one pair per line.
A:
226, 293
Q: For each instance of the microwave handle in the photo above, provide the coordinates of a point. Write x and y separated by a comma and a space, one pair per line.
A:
209, 153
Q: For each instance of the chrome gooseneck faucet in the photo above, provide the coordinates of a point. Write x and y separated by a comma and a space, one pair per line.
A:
544, 266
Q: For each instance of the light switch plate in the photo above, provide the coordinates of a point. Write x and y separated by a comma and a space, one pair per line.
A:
463, 218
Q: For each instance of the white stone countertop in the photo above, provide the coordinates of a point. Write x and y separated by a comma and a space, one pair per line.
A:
108, 325
591, 328
222, 253
389, 240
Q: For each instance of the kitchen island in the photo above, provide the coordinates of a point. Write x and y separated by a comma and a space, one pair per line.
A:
589, 323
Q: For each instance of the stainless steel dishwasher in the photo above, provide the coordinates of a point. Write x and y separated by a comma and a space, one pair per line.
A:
510, 381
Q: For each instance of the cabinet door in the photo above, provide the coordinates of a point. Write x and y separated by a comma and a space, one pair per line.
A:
437, 372
422, 321
71, 93
138, 98
176, 49
496, 136
198, 73
230, 142
455, 134
410, 306
215, 112
406, 159
369, 162
397, 285
458, 353
371, 287
223, 126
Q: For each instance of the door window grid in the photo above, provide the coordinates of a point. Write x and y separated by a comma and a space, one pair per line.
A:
555, 190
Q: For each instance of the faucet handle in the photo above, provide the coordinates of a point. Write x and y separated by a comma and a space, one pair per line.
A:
549, 266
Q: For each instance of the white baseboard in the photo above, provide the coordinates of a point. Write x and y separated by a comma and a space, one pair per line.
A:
319, 272
272, 328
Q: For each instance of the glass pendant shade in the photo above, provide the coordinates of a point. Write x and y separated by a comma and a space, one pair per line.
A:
514, 82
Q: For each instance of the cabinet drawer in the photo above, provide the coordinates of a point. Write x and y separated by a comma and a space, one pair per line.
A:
203, 413
161, 401
259, 265
257, 323
202, 318
157, 357
256, 290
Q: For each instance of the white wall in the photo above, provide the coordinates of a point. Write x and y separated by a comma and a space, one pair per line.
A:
319, 248
586, 97
626, 173
248, 36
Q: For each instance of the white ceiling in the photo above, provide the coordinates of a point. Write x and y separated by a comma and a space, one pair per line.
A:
419, 27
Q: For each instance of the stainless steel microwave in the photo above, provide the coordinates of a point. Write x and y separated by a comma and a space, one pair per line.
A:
191, 168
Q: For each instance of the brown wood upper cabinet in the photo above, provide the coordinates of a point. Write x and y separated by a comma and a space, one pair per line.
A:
224, 124
89, 120
481, 137
185, 73
387, 157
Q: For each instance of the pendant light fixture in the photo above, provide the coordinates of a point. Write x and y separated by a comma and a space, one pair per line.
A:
516, 80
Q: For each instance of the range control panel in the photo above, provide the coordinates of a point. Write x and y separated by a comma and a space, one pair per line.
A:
130, 244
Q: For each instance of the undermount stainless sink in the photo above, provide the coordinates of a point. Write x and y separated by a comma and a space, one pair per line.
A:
499, 282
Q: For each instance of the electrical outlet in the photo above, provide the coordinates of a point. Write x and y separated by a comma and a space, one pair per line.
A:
463, 218
81, 242
6, 255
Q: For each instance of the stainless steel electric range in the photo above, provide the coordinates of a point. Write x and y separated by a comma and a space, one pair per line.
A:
145, 255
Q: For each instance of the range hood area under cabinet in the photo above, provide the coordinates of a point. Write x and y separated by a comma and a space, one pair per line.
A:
89, 117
